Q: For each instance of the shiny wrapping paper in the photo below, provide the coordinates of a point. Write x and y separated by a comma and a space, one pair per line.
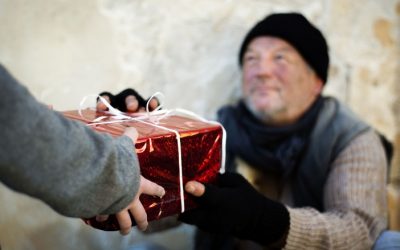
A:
157, 150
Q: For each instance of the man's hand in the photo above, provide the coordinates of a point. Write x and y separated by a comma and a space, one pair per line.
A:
127, 101
235, 207
135, 207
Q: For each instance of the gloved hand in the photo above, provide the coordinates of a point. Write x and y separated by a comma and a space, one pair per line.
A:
234, 207
127, 100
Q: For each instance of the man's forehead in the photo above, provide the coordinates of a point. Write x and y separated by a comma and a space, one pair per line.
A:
270, 42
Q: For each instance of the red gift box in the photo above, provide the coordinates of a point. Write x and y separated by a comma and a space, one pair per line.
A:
157, 149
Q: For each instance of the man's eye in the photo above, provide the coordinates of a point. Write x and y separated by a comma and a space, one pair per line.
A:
249, 58
280, 57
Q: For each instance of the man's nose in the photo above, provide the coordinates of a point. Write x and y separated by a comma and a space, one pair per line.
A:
265, 67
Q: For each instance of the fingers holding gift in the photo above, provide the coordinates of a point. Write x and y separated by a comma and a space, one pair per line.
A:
107, 97
132, 103
151, 188
102, 217
153, 104
135, 208
139, 214
124, 221
128, 100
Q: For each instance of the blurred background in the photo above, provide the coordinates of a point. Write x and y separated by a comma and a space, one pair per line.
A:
63, 50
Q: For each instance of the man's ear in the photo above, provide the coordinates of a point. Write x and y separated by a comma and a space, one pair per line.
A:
318, 85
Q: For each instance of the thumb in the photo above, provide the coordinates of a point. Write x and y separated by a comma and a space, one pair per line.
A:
132, 133
195, 188
208, 195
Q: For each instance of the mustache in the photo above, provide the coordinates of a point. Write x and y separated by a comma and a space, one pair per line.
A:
264, 88
263, 83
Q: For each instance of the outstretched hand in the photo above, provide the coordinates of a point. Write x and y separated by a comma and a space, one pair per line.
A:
235, 207
135, 208
127, 101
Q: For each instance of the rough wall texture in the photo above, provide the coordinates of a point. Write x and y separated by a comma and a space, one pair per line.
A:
63, 50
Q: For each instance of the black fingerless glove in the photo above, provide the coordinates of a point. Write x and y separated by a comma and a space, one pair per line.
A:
234, 207
118, 101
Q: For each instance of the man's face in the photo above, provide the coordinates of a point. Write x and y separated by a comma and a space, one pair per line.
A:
278, 85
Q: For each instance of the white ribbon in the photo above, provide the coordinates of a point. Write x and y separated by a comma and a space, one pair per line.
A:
154, 117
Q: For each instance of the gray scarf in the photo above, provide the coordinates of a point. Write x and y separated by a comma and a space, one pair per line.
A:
301, 153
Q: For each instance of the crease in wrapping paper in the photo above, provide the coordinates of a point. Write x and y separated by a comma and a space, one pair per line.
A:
202, 157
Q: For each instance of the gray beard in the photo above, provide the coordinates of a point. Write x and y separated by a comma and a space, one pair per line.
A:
265, 118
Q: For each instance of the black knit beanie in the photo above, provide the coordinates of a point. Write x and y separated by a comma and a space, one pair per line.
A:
300, 33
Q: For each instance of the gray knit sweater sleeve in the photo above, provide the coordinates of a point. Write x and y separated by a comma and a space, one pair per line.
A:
354, 199
78, 172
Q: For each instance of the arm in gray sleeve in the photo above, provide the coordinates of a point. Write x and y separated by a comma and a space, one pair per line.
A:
75, 170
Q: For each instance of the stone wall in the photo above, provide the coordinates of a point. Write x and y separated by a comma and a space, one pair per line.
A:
63, 50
